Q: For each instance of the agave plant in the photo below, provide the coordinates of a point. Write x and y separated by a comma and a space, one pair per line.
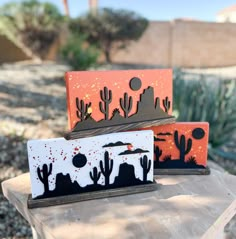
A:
212, 100
167, 158
191, 160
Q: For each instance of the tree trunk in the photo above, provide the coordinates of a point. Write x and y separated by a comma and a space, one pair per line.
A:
107, 56
66, 7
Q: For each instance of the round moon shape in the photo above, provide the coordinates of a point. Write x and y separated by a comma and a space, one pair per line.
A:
135, 84
198, 133
79, 160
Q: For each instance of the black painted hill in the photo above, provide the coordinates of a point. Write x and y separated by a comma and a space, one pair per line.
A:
176, 164
126, 177
64, 185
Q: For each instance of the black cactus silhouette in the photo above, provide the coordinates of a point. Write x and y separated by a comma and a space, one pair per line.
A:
166, 104
82, 109
45, 174
181, 145
126, 104
106, 97
146, 165
106, 169
95, 175
158, 153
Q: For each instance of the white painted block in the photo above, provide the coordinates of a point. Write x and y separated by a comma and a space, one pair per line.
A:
60, 167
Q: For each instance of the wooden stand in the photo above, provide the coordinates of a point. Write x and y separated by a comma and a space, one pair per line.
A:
35, 203
182, 171
117, 128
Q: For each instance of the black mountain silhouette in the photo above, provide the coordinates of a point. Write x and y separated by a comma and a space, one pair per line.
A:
126, 176
64, 185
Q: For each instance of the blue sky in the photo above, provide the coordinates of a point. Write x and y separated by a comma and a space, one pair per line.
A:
154, 9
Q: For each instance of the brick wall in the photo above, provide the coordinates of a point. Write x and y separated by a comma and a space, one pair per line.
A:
152, 48
183, 43
175, 43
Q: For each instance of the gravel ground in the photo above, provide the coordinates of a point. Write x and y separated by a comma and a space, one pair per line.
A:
33, 105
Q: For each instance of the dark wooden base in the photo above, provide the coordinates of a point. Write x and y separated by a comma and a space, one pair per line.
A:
182, 171
116, 128
35, 203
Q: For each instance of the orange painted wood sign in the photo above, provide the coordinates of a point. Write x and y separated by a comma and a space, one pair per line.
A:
118, 100
181, 145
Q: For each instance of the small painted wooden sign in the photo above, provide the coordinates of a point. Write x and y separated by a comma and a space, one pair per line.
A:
180, 146
59, 167
108, 101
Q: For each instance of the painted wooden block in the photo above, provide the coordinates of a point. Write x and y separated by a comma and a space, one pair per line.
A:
181, 145
59, 167
102, 102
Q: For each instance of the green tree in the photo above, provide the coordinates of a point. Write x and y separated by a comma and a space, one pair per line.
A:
110, 29
33, 23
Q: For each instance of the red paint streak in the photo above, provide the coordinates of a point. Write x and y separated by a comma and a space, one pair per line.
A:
64, 158
76, 148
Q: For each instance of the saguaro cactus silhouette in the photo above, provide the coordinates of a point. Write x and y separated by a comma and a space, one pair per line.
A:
82, 109
146, 165
95, 176
45, 174
181, 145
106, 169
158, 153
126, 104
106, 97
166, 104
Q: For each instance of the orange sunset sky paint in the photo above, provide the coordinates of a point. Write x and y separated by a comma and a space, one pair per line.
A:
199, 146
86, 85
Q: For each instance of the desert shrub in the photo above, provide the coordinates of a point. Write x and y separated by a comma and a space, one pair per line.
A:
192, 160
166, 158
78, 54
213, 101
33, 23
110, 29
